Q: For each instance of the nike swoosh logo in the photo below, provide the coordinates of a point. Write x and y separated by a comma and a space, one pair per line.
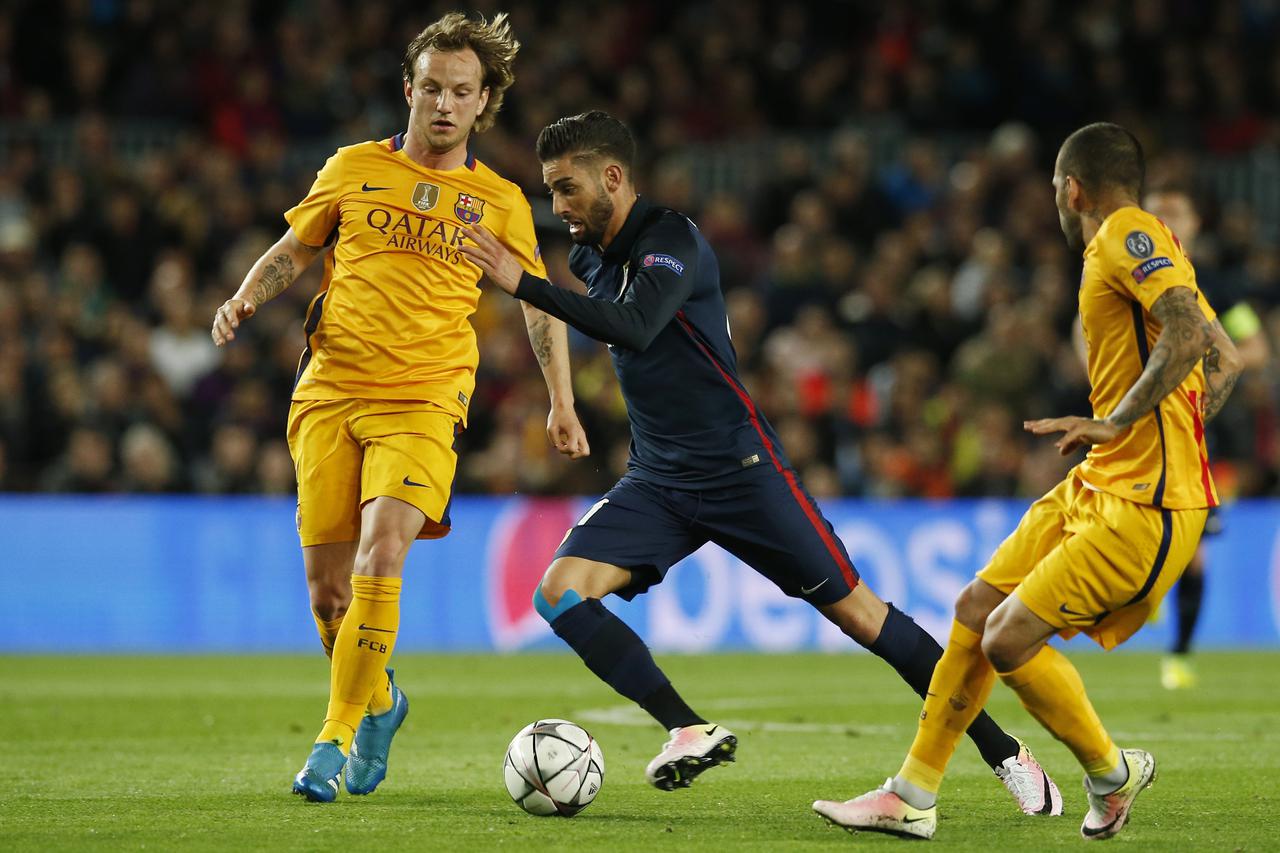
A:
711, 730
1048, 796
364, 627
368, 189
1062, 608
914, 819
409, 482
813, 589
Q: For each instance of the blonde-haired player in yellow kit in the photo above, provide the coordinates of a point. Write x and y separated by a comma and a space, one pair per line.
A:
389, 368
1097, 553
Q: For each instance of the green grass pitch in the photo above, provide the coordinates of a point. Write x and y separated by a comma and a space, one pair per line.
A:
198, 753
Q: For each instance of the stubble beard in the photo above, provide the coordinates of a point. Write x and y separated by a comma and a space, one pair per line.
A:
1073, 230
596, 220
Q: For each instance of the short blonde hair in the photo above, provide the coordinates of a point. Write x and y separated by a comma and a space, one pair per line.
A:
494, 45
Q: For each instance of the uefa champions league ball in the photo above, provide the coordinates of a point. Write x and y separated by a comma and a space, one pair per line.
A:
553, 767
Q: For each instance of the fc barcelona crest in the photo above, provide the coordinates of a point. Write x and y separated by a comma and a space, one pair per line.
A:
425, 196
469, 209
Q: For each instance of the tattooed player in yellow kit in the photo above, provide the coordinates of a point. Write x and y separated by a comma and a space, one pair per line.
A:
389, 368
1097, 553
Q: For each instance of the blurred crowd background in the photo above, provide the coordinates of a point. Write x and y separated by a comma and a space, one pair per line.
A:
873, 176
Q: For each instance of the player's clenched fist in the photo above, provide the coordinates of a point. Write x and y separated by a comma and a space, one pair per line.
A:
228, 317
566, 433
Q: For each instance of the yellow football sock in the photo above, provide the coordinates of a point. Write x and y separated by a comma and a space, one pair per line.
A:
328, 630
961, 683
380, 701
360, 654
1051, 689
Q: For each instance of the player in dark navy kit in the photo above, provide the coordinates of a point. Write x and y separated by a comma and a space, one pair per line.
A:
705, 463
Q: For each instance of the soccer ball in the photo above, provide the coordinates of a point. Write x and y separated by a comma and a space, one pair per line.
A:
553, 767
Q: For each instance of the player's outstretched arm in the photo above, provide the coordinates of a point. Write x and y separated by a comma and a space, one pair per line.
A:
1222, 366
1185, 337
550, 342
278, 267
651, 301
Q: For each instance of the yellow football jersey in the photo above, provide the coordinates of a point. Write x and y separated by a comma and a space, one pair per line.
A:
391, 319
1161, 460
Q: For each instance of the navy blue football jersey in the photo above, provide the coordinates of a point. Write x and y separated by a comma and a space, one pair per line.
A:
653, 295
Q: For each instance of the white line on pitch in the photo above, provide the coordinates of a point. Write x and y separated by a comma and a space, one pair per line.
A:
633, 716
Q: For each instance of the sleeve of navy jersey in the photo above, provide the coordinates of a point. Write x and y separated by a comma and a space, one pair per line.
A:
659, 306
649, 302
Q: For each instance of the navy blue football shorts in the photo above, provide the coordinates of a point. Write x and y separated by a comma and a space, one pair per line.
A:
769, 522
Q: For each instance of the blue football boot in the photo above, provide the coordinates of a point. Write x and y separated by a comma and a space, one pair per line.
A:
318, 779
367, 765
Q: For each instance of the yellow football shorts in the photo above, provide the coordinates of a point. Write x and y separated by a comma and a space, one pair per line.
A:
1089, 561
348, 452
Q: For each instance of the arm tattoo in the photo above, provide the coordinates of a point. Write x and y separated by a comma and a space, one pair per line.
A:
1184, 337
540, 339
547, 339
1218, 381
275, 277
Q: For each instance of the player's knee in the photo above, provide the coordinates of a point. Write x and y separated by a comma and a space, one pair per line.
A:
999, 646
565, 584
553, 585
570, 580
975, 605
860, 615
381, 558
858, 628
330, 601
551, 600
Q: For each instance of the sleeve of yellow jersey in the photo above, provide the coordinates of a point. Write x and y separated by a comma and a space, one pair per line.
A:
314, 218
1144, 261
521, 239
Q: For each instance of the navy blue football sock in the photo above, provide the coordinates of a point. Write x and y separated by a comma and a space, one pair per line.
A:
618, 657
911, 651
1190, 597
666, 706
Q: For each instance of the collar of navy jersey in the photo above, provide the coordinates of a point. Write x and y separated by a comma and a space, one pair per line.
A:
619, 251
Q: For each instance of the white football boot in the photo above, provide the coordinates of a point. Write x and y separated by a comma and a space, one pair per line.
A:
880, 810
691, 750
1035, 792
1108, 813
